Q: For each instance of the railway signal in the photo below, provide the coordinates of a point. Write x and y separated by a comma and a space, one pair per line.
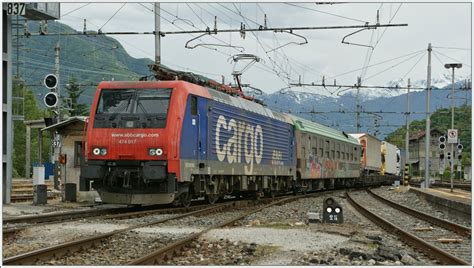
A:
442, 143
51, 98
51, 81
459, 147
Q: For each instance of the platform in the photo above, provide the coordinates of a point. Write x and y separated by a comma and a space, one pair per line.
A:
457, 200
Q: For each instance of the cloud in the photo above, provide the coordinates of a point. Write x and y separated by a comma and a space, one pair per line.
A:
442, 24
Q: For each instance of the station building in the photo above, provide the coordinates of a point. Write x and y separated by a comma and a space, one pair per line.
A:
71, 132
417, 153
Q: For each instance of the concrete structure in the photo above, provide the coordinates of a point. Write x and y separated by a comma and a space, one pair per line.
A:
7, 134
417, 153
457, 203
34, 11
71, 131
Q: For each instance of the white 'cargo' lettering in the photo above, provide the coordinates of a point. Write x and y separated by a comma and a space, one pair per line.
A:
243, 135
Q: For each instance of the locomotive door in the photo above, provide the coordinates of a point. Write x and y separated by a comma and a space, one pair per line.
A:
202, 134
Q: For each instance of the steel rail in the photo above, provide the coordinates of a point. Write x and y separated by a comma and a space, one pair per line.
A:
454, 227
57, 218
429, 249
63, 215
157, 257
116, 213
30, 258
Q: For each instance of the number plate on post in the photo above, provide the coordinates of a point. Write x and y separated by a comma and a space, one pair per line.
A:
16, 9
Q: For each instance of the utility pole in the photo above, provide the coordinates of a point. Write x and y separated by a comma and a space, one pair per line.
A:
407, 135
453, 66
56, 72
452, 127
157, 34
359, 82
428, 131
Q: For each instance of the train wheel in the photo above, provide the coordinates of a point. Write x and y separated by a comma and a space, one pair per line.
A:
185, 199
212, 198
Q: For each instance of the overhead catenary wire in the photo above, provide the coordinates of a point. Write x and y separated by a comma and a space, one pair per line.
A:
390, 21
451, 58
372, 65
456, 48
149, 9
118, 10
391, 67
259, 42
74, 10
327, 13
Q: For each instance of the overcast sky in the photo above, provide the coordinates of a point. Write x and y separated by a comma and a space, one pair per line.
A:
444, 25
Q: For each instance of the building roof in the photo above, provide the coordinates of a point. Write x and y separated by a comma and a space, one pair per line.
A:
421, 134
67, 122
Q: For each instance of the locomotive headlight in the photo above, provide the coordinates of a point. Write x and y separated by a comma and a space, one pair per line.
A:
159, 151
151, 152
329, 210
96, 151
337, 210
103, 151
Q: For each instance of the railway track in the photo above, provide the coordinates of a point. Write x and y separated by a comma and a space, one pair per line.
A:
159, 256
447, 242
23, 222
117, 212
44, 254
29, 258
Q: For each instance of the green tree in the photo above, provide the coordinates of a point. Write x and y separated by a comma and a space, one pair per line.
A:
441, 120
74, 92
31, 112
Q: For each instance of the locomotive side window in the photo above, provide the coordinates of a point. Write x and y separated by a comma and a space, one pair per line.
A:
321, 149
333, 151
326, 149
194, 107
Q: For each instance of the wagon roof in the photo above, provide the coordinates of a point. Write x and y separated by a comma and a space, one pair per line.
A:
315, 128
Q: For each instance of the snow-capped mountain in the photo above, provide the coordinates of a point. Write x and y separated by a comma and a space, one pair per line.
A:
339, 111
398, 87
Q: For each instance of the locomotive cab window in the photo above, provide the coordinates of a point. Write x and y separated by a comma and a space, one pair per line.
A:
137, 108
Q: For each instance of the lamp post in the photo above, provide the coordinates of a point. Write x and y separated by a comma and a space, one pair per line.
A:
452, 66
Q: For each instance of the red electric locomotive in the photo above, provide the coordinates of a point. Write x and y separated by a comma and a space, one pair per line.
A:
165, 141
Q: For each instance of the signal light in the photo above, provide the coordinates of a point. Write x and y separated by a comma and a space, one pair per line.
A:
442, 146
51, 99
442, 139
460, 156
449, 156
51, 81
441, 156
460, 147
